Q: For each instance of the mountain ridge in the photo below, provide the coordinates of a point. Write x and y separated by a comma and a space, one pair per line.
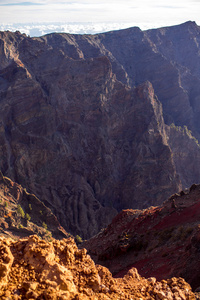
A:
84, 120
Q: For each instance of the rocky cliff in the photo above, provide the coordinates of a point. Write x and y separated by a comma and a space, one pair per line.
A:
83, 119
186, 154
79, 139
31, 268
161, 241
168, 58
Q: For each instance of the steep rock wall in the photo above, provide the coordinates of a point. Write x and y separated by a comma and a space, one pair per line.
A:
86, 144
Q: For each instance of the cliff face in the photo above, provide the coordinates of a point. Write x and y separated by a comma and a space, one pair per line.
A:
186, 154
168, 58
79, 139
160, 241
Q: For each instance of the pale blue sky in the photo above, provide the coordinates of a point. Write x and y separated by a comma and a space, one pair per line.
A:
142, 13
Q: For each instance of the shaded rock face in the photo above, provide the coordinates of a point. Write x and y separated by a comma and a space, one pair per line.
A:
186, 154
31, 268
79, 139
168, 58
23, 214
160, 241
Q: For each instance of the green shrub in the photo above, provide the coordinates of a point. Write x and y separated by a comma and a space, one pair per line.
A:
44, 225
28, 217
30, 207
49, 234
78, 239
20, 211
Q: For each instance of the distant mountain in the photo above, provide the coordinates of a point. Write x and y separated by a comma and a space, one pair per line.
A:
92, 124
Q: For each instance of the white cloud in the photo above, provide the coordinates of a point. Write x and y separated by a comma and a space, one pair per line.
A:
76, 28
138, 12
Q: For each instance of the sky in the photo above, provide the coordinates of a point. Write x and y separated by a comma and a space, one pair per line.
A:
91, 16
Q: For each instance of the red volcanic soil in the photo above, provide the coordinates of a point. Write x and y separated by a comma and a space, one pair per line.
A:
188, 214
161, 241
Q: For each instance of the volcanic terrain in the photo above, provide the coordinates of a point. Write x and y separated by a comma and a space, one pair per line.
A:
96, 133
92, 124
161, 241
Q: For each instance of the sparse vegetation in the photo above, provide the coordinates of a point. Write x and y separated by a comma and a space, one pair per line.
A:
44, 225
41, 212
20, 211
185, 131
30, 207
78, 239
28, 217
182, 233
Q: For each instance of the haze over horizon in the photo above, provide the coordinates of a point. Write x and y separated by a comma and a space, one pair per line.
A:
44, 16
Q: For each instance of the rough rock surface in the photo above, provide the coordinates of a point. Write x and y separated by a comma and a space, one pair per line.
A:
169, 59
76, 133
83, 142
186, 154
160, 241
23, 214
31, 268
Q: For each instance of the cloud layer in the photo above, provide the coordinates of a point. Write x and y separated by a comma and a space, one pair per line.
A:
143, 13
40, 29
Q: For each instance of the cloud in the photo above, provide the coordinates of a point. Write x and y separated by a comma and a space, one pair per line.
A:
73, 28
164, 12
20, 3
77, 28
169, 7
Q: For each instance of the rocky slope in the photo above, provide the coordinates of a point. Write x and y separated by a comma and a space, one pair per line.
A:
22, 214
161, 241
31, 268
